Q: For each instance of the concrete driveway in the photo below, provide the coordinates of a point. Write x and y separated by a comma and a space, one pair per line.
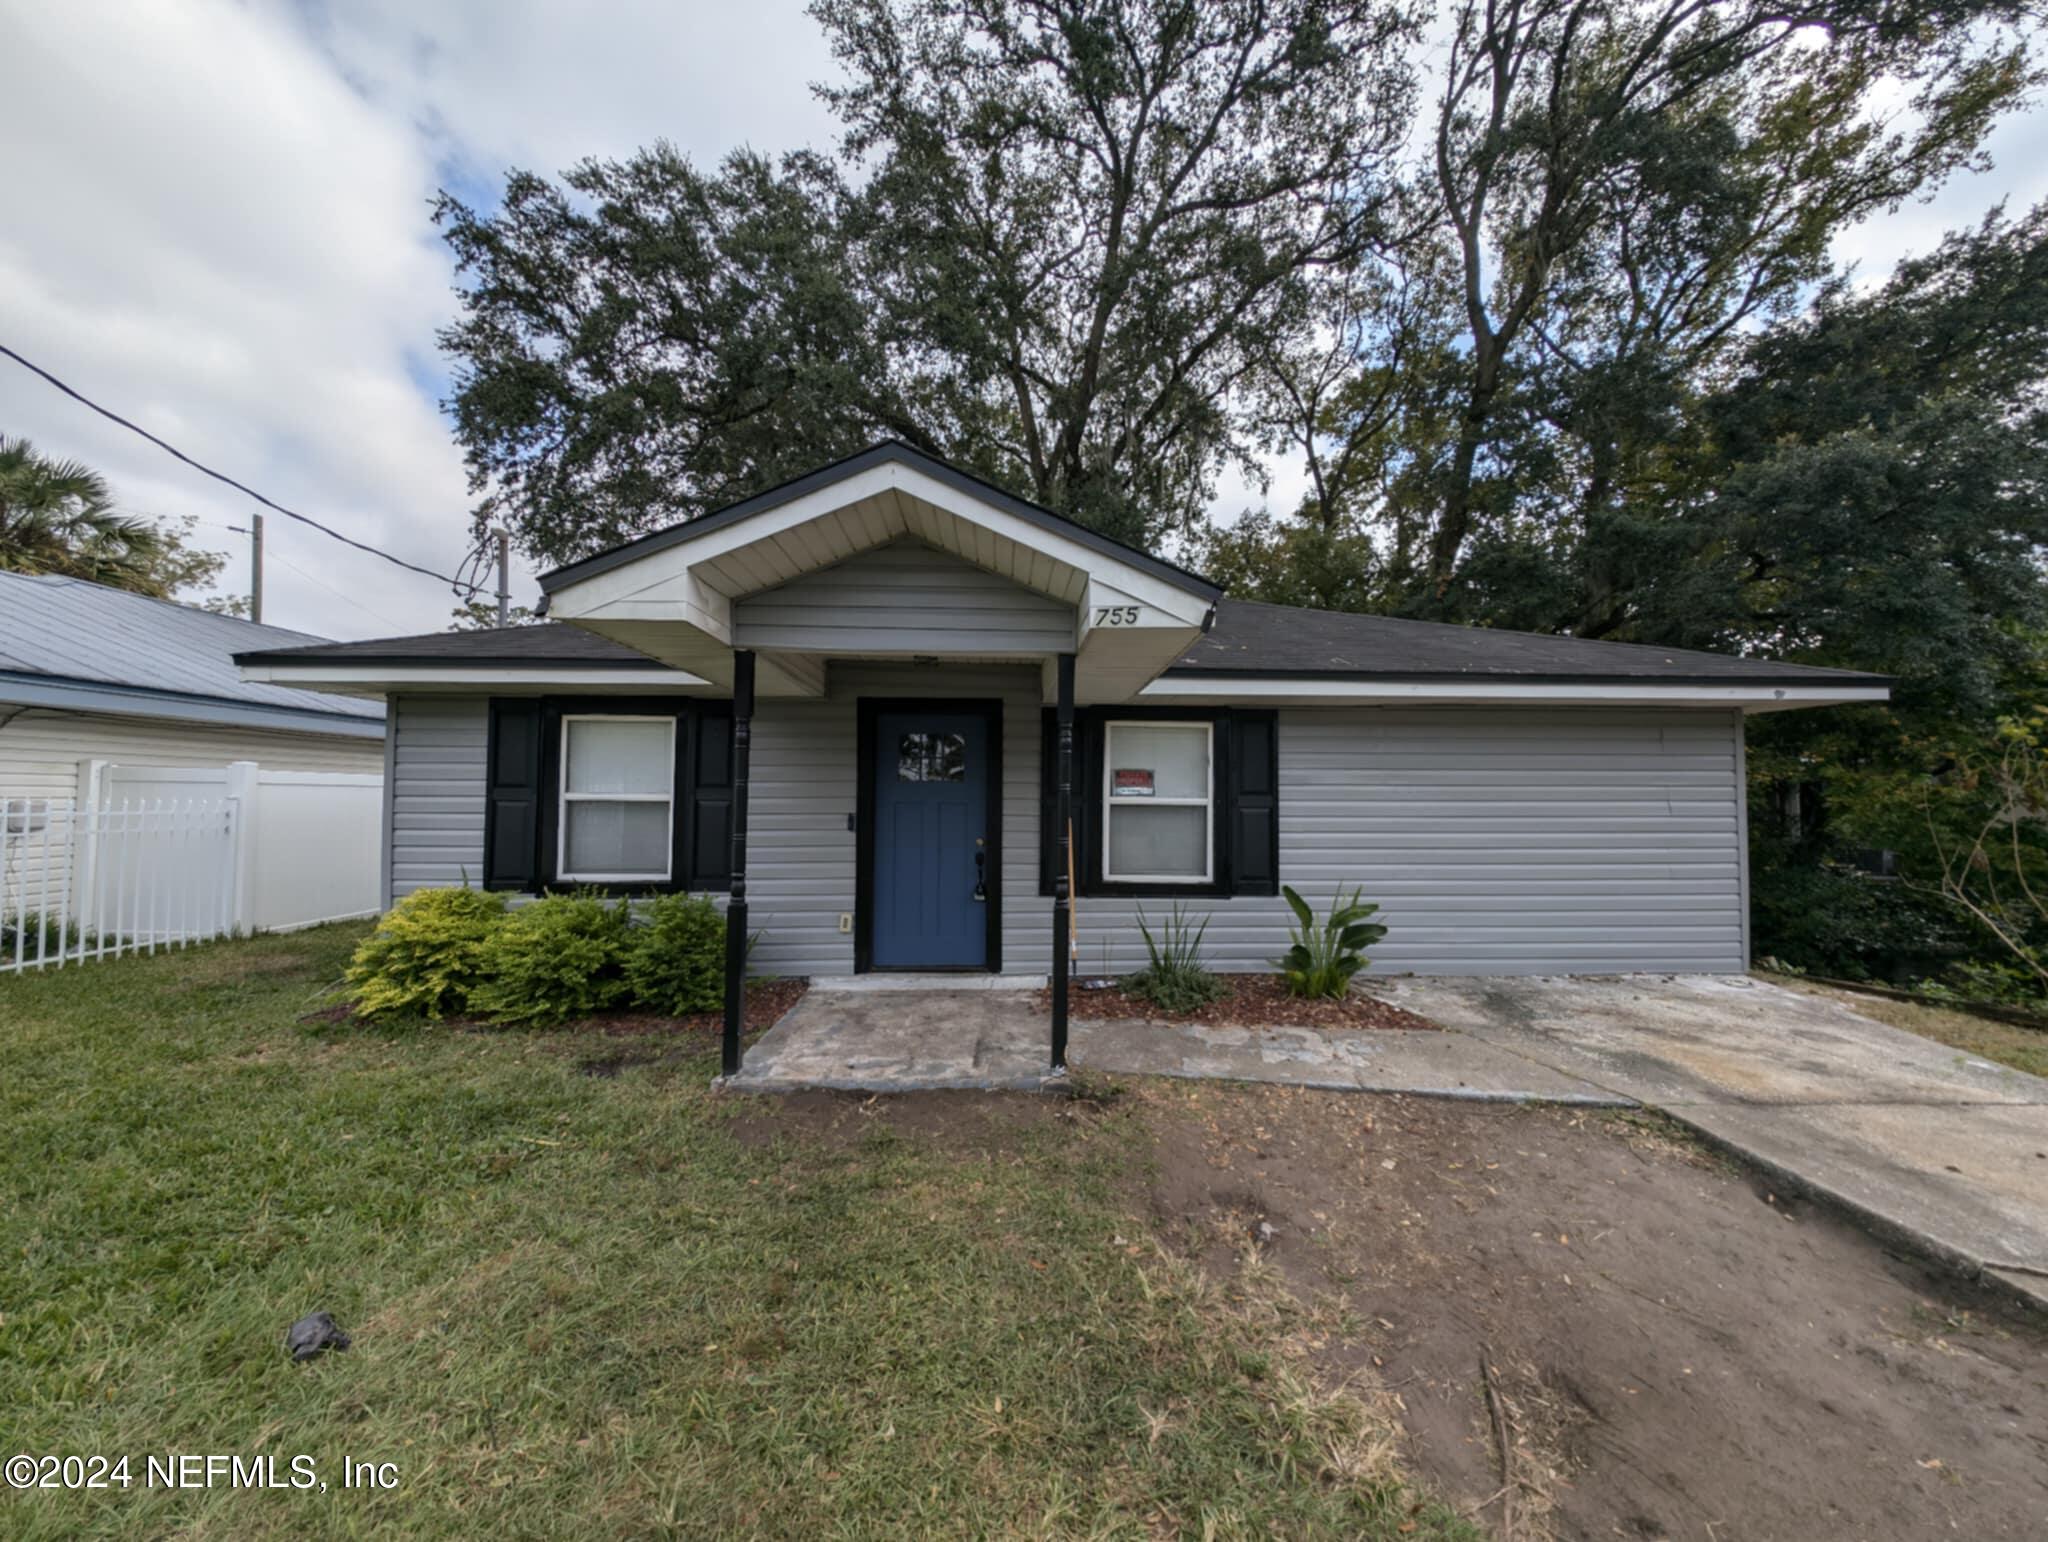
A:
1938, 1148
1941, 1150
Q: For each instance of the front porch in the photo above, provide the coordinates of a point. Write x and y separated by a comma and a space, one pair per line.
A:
885, 1033
936, 617
933, 887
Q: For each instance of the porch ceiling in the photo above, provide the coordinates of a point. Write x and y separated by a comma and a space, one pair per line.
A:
673, 601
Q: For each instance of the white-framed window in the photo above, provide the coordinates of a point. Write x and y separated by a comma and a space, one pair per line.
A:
1158, 785
618, 792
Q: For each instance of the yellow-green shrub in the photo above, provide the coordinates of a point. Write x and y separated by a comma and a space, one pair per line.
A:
555, 959
426, 955
676, 959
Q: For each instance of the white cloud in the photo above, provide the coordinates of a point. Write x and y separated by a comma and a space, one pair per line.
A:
219, 226
544, 85
226, 238
2018, 148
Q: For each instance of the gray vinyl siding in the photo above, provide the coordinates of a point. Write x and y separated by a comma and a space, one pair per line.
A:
904, 598
1495, 841
436, 788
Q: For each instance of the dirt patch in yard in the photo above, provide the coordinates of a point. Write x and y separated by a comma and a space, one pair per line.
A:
1248, 1001
971, 1121
1674, 1350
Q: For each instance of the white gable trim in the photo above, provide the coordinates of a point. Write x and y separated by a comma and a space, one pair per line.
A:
672, 578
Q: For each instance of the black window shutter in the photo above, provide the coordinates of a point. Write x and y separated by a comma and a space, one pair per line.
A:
512, 794
1048, 797
709, 792
1254, 783
1086, 797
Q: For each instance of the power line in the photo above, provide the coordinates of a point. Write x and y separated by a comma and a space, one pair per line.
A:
278, 557
459, 585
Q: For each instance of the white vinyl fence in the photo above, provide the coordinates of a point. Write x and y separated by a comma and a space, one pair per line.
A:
151, 857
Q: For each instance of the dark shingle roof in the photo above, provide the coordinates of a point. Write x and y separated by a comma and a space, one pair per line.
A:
1248, 638
1252, 638
548, 645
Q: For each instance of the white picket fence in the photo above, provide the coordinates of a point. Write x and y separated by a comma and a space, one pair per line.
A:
162, 857
133, 874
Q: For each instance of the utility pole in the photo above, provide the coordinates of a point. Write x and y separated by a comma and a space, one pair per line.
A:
255, 567
504, 574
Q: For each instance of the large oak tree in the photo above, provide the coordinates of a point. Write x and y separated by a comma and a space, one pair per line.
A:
1058, 240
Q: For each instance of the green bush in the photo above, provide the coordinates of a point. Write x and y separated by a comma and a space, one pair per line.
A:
675, 962
426, 955
559, 958
1830, 920
1176, 979
2007, 984
1325, 957
38, 936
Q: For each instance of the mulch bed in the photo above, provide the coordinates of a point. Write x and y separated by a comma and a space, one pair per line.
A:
767, 1000
1249, 1001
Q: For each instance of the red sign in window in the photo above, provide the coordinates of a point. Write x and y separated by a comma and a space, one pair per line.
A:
1130, 784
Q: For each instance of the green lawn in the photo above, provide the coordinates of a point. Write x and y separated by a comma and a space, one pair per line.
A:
602, 1305
2024, 1049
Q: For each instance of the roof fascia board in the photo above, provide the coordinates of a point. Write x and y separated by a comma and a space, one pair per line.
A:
1340, 692
1802, 679
293, 662
137, 701
841, 475
371, 675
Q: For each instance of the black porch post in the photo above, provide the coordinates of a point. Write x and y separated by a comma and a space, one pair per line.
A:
736, 906
1063, 817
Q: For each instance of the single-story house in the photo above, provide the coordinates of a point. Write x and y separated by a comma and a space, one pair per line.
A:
92, 673
907, 721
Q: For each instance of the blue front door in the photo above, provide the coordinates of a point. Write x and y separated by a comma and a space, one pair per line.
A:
930, 880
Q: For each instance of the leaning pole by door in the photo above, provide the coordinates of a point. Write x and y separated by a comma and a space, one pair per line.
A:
1062, 884
736, 906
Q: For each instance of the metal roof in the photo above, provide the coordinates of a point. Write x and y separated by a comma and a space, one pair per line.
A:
122, 652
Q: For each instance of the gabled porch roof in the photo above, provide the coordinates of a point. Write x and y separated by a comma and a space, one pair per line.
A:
672, 595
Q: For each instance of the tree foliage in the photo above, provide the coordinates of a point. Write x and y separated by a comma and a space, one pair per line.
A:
59, 517
1056, 243
1569, 350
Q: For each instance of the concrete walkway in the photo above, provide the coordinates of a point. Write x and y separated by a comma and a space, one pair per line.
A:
892, 1033
1416, 1062
1943, 1151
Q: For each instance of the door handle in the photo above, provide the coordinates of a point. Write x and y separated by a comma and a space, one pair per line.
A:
980, 872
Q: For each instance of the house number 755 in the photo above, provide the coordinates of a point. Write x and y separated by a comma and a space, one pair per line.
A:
1116, 615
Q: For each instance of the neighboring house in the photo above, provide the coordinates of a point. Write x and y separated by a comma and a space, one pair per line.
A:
842, 701
149, 793
93, 673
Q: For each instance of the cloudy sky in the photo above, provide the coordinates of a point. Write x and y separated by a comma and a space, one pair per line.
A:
218, 226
